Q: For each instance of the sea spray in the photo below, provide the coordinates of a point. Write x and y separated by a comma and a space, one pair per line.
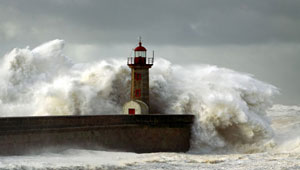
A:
229, 106
286, 125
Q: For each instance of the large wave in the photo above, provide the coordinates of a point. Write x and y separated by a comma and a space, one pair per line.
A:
229, 106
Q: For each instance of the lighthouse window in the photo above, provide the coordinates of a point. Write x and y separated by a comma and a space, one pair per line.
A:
138, 93
140, 54
137, 76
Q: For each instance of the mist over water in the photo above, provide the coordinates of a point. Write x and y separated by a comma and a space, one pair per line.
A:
229, 107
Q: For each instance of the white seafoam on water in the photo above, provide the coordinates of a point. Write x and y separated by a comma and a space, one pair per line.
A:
230, 107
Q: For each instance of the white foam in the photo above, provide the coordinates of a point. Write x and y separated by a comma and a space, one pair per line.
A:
286, 125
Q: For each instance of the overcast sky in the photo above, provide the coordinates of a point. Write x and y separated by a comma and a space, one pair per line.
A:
260, 37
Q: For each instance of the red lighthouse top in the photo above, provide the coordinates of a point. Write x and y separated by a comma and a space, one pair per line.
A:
140, 47
140, 57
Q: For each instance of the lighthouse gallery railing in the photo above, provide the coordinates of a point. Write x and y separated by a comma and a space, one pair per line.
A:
131, 60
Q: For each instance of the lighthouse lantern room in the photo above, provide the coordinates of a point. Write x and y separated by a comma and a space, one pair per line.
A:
139, 96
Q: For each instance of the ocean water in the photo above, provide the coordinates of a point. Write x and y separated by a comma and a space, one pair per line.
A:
236, 127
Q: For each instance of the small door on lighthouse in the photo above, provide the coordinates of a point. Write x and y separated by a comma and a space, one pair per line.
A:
135, 107
131, 111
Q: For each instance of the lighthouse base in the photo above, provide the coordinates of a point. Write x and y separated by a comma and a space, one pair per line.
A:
138, 133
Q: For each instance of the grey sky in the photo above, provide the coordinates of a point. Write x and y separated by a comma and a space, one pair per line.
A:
260, 37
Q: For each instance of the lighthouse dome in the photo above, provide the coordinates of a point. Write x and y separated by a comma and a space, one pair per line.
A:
140, 47
140, 51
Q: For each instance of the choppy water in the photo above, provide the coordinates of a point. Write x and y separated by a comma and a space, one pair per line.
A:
235, 127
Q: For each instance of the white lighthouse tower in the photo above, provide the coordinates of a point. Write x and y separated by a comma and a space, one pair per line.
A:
139, 96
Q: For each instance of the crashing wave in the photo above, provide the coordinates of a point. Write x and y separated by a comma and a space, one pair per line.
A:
229, 106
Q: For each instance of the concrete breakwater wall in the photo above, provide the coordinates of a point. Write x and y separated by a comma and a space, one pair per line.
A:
138, 133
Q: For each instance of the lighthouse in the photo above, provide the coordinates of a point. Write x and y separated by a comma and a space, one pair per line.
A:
139, 96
